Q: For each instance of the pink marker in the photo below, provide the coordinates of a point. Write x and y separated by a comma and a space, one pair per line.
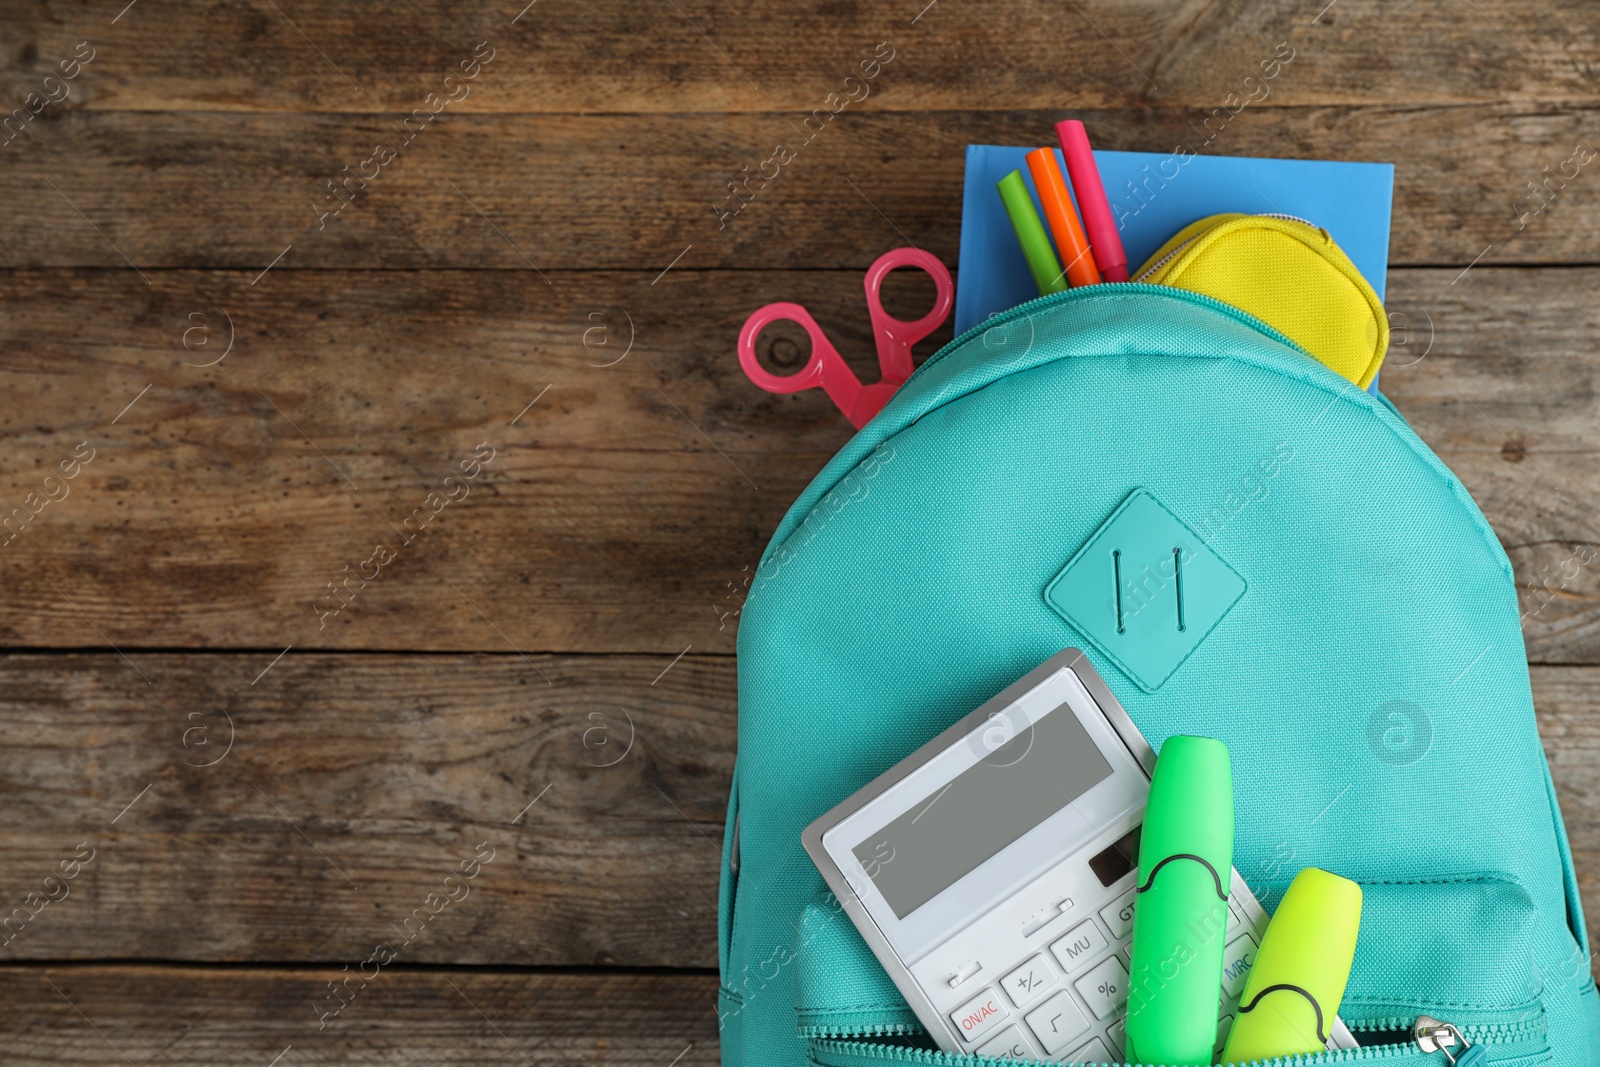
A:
1091, 196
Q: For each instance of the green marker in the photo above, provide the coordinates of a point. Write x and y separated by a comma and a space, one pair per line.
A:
1298, 978
1042, 262
1180, 917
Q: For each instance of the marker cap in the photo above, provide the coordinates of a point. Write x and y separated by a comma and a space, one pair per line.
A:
1295, 985
1048, 276
1180, 916
1091, 194
1071, 241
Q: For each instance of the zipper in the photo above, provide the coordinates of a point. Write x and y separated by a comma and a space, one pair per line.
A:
1416, 1030
1085, 291
1431, 1035
1164, 260
1288, 218
1460, 1046
846, 1032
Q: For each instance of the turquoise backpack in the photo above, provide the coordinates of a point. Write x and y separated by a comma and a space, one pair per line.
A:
1369, 680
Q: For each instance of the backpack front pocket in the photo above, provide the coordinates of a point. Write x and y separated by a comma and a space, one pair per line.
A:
1459, 950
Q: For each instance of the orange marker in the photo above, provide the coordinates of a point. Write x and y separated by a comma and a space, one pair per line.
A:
1063, 218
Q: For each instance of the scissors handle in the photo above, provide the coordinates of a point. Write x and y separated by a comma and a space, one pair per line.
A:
825, 369
894, 336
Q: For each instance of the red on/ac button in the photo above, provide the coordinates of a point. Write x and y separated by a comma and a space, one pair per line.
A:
979, 1015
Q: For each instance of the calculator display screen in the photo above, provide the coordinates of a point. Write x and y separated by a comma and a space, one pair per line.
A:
983, 809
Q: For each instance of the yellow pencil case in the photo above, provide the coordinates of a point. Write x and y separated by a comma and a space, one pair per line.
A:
1287, 273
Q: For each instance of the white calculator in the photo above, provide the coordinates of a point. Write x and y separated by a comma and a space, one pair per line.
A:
992, 872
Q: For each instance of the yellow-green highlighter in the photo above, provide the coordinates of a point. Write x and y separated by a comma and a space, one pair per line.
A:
1180, 914
1294, 988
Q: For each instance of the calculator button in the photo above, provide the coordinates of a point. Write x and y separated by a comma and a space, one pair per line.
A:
1117, 1034
1104, 989
1236, 961
1029, 982
1008, 1044
1081, 946
1058, 1023
979, 1015
1094, 1052
1119, 914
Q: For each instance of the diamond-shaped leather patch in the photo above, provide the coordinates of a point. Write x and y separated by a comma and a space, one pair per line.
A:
1145, 589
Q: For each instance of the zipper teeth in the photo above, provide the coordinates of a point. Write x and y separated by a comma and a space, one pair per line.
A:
1162, 262
929, 1058
844, 1044
831, 1033
1488, 1033
1085, 291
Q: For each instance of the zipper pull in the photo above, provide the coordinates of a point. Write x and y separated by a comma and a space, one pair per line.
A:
1432, 1035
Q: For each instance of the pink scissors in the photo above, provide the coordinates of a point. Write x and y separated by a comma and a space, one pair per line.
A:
827, 369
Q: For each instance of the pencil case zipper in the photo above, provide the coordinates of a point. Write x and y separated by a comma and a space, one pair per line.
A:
1175, 252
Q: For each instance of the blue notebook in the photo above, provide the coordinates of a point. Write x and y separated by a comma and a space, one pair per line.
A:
1153, 195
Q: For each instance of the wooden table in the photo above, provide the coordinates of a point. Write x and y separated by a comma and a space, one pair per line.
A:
501, 346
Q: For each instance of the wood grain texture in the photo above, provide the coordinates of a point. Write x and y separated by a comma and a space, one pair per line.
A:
570, 192
388, 770
621, 512
725, 56
353, 788
75, 1016
1569, 724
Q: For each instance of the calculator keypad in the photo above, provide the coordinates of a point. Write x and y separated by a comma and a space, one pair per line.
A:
1029, 982
980, 1015
1236, 961
1008, 1044
1119, 915
1094, 1052
1081, 946
1058, 1023
1117, 1035
1072, 996
1104, 989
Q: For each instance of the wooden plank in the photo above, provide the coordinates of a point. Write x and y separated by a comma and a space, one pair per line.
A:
619, 511
568, 192
616, 514
392, 769
586, 795
725, 56
1569, 723
102, 1015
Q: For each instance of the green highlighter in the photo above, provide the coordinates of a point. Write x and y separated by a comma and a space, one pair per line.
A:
1042, 262
1298, 978
1180, 916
